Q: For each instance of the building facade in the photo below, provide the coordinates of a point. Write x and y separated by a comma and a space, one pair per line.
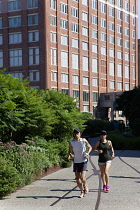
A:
80, 47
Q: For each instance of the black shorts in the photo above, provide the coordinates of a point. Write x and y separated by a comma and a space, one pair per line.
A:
79, 167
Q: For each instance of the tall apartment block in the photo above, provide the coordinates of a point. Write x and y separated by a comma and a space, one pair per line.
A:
84, 48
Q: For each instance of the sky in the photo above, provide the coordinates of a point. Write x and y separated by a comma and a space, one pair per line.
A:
138, 19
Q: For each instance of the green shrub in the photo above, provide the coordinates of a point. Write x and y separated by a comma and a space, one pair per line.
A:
122, 142
9, 177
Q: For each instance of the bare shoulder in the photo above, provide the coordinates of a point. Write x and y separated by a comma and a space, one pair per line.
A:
109, 142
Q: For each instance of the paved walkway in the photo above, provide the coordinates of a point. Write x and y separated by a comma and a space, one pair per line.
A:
58, 191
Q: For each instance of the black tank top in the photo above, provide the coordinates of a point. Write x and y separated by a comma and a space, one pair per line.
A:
105, 156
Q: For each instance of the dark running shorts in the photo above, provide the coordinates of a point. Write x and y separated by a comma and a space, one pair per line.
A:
79, 167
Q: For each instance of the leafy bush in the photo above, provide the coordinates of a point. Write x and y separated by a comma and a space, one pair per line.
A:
9, 177
95, 126
121, 142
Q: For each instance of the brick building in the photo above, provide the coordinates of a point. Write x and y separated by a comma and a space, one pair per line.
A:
80, 47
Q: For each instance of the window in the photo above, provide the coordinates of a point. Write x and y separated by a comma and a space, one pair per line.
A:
76, 94
103, 37
133, 34
15, 21
33, 19
33, 4
111, 26
1, 58
86, 96
111, 53
33, 36
15, 38
94, 34
53, 20
64, 40
64, 8
111, 1
103, 23
14, 5
119, 54
64, 77
64, 24
103, 8
95, 82
17, 75
103, 50
119, 85
15, 57
126, 6
95, 96
126, 31
84, 31
133, 9
126, 17
119, 29
111, 11
53, 4
119, 14
66, 91
119, 42
33, 55
85, 45
112, 84
126, 86
133, 46
94, 20
53, 36
75, 79
111, 39
74, 43
94, 48
85, 2
53, 56
64, 59
133, 21
111, 69
126, 44
75, 27
85, 16
133, 58
127, 72
119, 3
34, 75
85, 80
74, 12
94, 4
75, 61
85, 63
94, 65
133, 73
85, 108
126, 56
54, 76
119, 70
1, 39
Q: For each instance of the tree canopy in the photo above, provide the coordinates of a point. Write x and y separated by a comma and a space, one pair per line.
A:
129, 103
26, 112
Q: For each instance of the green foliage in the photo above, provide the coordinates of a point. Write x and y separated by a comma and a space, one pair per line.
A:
95, 126
131, 108
122, 142
9, 177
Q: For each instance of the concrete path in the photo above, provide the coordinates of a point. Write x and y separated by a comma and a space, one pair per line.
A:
58, 191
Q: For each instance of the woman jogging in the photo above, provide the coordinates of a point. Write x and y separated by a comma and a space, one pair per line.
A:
103, 147
78, 150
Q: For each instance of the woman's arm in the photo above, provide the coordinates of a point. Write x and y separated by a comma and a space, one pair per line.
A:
70, 155
95, 148
89, 147
111, 147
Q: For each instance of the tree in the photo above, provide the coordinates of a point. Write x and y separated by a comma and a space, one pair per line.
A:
129, 103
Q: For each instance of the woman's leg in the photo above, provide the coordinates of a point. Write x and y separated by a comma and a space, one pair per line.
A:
107, 166
102, 170
78, 180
